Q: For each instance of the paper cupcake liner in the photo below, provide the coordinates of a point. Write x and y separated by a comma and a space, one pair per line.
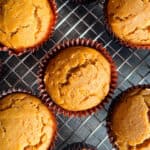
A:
66, 44
37, 46
120, 41
1, 67
11, 91
111, 134
79, 146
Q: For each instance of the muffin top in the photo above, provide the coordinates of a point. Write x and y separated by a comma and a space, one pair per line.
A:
131, 120
25, 123
25, 23
130, 20
78, 78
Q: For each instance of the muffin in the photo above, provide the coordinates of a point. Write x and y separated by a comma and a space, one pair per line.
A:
79, 146
26, 24
78, 78
129, 21
130, 118
25, 123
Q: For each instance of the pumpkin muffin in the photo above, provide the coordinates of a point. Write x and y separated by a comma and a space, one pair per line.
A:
25, 23
78, 78
129, 20
130, 120
25, 123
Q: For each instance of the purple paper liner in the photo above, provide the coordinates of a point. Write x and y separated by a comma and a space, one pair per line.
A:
79, 146
111, 134
37, 46
75, 42
1, 67
11, 91
120, 41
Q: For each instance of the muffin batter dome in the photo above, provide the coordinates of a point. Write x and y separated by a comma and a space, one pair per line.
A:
25, 123
131, 121
78, 78
130, 20
25, 23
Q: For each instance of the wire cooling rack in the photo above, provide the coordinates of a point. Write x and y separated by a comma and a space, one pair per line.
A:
79, 21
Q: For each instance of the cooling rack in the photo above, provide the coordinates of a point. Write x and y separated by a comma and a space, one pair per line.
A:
84, 21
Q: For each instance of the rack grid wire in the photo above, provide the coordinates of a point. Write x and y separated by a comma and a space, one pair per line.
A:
84, 21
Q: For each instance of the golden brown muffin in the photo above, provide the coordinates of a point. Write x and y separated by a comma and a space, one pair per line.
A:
78, 78
25, 23
131, 120
25, 123
130, 20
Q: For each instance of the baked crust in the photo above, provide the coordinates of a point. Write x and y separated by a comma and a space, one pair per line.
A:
130, 120
29, 29
25, 123
129, 21
78, 78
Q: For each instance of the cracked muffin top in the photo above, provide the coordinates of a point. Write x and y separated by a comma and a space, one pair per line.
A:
25, 23
130, 20
130, 120
25, 123
78, 78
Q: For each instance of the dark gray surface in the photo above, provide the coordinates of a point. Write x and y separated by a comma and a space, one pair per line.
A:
79, 21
